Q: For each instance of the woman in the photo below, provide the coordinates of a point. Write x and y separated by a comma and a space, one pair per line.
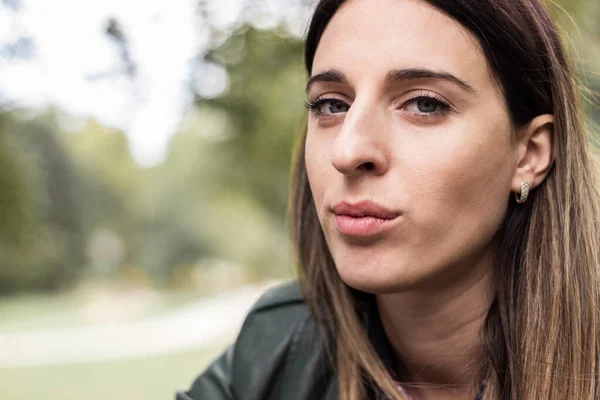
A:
445, 215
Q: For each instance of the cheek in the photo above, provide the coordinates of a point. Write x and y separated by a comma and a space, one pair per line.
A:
468, 175
463, 187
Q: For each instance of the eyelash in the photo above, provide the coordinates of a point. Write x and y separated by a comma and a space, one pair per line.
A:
314, 106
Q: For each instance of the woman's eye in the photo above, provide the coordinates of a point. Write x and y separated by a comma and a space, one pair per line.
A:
328, 106
335, 106
426, 105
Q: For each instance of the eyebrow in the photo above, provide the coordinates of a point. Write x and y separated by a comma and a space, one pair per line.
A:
396, 75
332, 75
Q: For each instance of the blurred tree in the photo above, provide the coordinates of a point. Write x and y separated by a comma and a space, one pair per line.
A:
229, 169
579, 21
222, 192
115, 32
110, 182
193, 213
264, 105
15, 199
45, 250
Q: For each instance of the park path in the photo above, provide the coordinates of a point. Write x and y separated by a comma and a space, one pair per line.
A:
206, 321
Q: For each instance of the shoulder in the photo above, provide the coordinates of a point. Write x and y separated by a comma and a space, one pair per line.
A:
278, 354
281, 296
273, 319
278, 344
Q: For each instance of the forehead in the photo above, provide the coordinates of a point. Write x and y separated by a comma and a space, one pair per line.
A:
371, 37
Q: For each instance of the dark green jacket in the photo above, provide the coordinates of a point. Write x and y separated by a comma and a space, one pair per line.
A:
278, 355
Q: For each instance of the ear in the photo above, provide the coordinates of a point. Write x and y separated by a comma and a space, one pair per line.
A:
535, 152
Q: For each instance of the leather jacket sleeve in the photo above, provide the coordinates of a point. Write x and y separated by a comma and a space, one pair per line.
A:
278, 355
215, 382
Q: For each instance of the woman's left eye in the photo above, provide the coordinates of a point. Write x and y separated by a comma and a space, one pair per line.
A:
426, 105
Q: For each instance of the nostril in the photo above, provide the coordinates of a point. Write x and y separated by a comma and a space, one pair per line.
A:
368, 166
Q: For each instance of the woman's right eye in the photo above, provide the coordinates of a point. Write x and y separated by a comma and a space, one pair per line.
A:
327, 106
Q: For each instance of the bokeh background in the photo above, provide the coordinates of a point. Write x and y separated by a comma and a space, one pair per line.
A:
145, 155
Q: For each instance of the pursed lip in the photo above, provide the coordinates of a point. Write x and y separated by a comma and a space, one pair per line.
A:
363, 219
364, 209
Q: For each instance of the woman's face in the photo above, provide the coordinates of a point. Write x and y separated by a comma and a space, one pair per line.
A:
409, 150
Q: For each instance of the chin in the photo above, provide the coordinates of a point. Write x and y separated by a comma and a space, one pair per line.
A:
378, 280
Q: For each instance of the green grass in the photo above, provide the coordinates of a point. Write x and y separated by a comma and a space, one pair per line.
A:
151, 378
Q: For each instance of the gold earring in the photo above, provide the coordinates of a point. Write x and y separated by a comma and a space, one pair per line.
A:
522, 198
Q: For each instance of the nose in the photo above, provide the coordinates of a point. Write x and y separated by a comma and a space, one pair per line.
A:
358, 147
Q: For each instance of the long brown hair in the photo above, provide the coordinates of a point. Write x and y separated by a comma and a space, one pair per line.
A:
542, 333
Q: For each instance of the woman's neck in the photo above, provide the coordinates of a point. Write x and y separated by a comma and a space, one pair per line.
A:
437, 335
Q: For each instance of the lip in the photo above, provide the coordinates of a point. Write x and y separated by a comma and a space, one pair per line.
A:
362, 219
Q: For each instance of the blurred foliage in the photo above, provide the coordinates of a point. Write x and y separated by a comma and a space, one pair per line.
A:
265, 108
223, 190
220, 195
15, 201
110, 180
41, 221
74, 204
579, 23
